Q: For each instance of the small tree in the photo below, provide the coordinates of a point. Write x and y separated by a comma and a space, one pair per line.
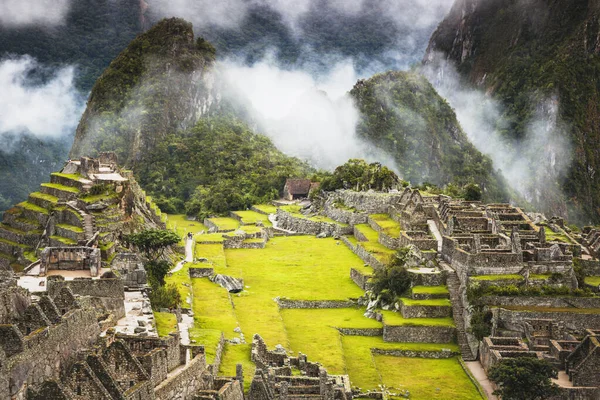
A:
165, 297
524, 378
473, 192
394, 280
153, 243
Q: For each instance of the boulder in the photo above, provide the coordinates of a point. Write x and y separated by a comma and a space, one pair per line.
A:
233, 285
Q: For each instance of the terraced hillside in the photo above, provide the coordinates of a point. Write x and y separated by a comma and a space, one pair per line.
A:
74, 209
301, 292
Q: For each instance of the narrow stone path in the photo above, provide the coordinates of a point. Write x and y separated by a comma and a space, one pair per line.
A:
438, 236
478, 373
189, 255
453, 284
89, 222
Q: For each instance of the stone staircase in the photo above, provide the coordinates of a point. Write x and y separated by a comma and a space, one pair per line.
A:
89, 222
453, 284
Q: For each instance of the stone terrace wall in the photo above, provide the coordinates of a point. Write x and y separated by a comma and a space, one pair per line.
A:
370, 202
201, 272
542, 301
389, 241
49, 350
186, 383
415, 353
514, 319
416, 334
344, 216
360, 279
287, 303
109, 291
368, 257
290, 222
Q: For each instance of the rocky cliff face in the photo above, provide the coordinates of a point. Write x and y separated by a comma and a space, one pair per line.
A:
402, 114
524, 53
156, 86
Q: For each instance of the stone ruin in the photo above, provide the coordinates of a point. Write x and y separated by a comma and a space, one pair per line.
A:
62, 345
70, 259
274, 377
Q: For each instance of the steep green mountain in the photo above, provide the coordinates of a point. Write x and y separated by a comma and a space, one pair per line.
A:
524, 52
402, 114
155, 107
156, 86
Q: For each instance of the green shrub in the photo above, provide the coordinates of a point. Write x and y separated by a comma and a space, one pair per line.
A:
165, 297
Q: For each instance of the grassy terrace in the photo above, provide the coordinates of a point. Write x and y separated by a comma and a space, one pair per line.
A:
11, 243
44, 196
432, 302
181, 225
396, 319
592, 280
165, 323
539, 276
426, 378
64, 240
295, 211
73, 177
266, 208
183, 282
378, 250
430, 289
387, 224
252, 217
72, 228
32, 207
225, 223
63, 188
514, 277
552, 236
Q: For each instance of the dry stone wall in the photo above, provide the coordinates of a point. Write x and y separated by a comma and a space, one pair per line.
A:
418, 334
183, 385
48, 350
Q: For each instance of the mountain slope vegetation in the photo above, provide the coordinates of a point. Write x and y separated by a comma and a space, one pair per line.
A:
402, 114
525, 52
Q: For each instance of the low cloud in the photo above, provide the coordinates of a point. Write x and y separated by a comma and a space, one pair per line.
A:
533, 165
16, 13
46, 107
310, 117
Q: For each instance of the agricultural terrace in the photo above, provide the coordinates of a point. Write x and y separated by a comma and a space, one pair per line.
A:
307, 268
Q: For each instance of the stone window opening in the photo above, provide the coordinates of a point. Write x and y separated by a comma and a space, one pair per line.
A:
78, 390
131, 383
27, 330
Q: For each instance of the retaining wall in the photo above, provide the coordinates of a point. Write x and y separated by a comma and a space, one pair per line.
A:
419, 334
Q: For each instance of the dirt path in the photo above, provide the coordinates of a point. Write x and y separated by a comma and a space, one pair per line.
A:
479, 374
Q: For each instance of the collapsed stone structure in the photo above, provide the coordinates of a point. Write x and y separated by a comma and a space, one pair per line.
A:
274, 378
